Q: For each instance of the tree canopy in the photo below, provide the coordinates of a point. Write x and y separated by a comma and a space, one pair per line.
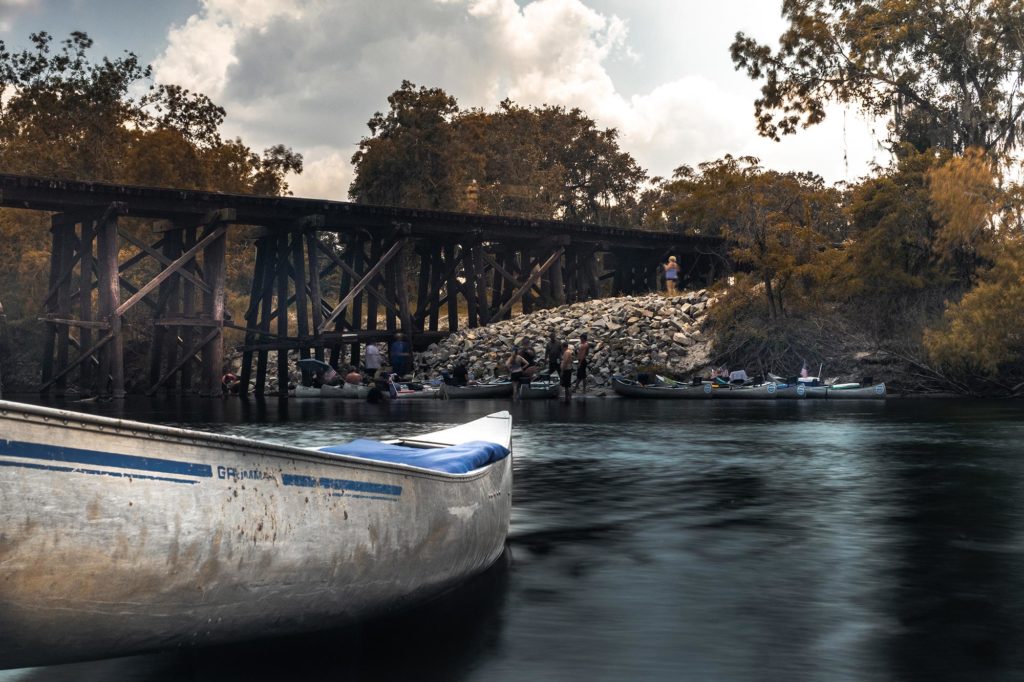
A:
68, 115
65, 115
777, 221
547, 162
948, 72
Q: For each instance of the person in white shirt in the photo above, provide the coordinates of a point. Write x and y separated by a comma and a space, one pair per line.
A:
372, 359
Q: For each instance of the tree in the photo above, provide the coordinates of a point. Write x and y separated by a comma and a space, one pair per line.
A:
948, 72
549, 162
406, 159
776, 221
507, 153
981, 237
63, 115
545, 162
66, 115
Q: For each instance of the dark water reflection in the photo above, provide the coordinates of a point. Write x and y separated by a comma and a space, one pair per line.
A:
705, 541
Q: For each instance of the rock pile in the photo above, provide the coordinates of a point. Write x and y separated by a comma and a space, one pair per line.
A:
625, 333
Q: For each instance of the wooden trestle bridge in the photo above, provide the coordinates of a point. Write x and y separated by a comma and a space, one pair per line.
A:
328, 276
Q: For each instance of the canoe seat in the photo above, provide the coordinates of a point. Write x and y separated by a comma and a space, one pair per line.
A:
454, 459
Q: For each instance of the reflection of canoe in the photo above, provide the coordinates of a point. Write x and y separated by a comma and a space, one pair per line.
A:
633, 389
496, 389
856, 392
117, 536
344, 391
539, 390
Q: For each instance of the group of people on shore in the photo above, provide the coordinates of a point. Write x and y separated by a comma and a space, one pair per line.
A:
563, 362
522, 365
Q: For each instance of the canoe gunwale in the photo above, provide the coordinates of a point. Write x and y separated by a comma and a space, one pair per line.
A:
170, 434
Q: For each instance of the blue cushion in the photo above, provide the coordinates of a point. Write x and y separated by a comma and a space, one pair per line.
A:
454, 459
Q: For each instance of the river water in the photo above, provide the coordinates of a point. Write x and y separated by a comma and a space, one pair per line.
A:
663, 540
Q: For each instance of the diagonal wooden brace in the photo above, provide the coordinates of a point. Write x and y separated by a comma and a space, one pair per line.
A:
367, 278
170, 270
534, 277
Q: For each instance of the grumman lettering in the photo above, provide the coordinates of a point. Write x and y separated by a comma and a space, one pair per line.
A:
245, 474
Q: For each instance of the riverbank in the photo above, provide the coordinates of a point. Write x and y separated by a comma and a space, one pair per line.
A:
627, 334
669, 335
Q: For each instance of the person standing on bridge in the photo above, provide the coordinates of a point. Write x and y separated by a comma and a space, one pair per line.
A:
671, 275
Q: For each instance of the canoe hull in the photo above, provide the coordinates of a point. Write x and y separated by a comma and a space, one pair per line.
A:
761, 392
536, 390
801, 392
498, 390
118, 537
632, 389
875, 392
344, 391
422, 394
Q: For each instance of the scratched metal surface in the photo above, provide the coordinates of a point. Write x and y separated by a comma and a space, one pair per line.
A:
126, 543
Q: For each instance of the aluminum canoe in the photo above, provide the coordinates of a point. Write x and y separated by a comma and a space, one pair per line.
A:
633, 389
118, 537
539, 390
349, 391
767, 391
497, 389
801, 392
427, 393
857, 392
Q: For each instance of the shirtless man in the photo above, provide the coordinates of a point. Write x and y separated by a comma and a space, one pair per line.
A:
565, 370
581, 369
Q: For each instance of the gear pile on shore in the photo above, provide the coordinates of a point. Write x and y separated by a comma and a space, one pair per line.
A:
626, 334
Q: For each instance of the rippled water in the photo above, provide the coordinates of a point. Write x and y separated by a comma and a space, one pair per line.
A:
679, 541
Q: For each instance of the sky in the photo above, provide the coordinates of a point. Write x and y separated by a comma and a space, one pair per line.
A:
309, 74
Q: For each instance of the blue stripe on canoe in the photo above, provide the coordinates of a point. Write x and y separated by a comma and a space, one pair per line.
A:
341, 484
95, 472
10, 448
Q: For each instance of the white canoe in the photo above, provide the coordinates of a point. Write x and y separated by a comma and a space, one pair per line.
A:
856, 392
118, 537
350, 391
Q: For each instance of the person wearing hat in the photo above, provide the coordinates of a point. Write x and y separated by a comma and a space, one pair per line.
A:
671, 275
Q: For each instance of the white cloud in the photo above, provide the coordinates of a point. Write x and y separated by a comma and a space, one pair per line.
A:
11, 9
327, 173
310, 73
